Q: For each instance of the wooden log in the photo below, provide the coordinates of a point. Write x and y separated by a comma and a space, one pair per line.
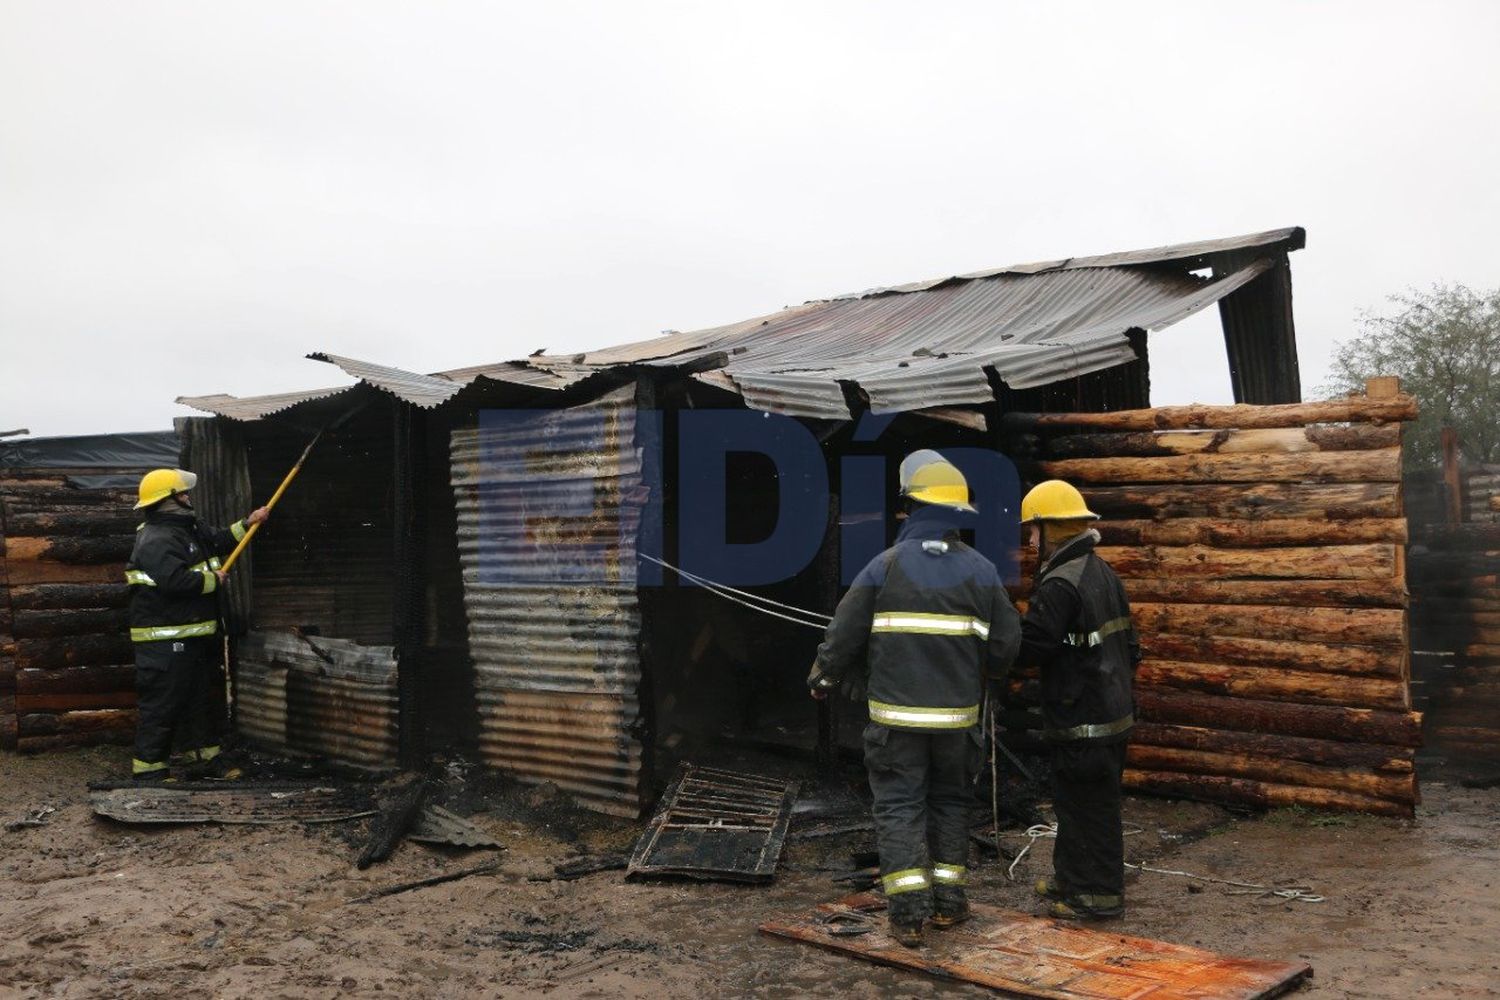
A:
1267, 795
73, 520
1199, 416
71, 549
1299, 593
1345, 562
54, 624
62, 596
49, 724
73, 651
1280, 440
74, 702
62, 741
1274, 684
1263, 533
31, 573
1364, 626
76, 680
8, 675
1334, 502
1328, 753
1383, 466
1395, 788
1316, 657
1355, 725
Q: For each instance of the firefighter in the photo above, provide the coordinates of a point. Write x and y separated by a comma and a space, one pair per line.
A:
174, 576
930, 622
1078, 632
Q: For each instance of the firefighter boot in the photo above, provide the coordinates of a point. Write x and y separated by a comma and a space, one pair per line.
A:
950, 907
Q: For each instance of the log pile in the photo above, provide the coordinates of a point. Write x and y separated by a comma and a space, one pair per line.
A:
66, 674
1263, 550
1456, 636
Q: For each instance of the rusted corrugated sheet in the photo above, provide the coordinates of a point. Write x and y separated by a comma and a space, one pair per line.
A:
548, 512
327, 697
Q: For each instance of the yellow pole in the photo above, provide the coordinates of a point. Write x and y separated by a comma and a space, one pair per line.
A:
271, 503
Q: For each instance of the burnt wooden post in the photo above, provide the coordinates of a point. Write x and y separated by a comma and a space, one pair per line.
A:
1453, 495
409, 561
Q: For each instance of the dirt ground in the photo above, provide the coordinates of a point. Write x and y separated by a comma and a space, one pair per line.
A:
92, 908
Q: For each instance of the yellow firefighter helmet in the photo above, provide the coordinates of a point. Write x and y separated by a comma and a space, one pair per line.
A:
1055, 500
158, 484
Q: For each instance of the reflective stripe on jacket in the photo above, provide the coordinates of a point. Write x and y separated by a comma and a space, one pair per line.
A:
1078, 631
171, 576
930, 619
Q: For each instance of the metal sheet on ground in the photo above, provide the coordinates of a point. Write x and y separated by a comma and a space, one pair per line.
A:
714, 824
437, 825
1038, 957
202, 803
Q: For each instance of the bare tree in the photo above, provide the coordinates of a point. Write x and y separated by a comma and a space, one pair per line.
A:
1444, 343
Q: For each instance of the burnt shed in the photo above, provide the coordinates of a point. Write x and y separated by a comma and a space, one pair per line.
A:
473, 559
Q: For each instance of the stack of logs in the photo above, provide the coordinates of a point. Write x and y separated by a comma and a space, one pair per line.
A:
1262, 548
1456, 633
65, 661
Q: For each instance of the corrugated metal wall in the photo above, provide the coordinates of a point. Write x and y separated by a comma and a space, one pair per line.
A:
326, 697
548, 514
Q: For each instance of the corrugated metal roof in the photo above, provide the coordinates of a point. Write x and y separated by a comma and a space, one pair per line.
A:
425, 391
929, 343
256, 407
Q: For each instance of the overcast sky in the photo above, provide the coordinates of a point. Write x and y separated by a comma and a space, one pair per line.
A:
195, 195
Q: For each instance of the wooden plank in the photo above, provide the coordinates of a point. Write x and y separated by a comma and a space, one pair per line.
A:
1029, 956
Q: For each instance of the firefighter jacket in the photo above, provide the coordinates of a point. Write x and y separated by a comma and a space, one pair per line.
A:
931, 620
1078, 631
171, 576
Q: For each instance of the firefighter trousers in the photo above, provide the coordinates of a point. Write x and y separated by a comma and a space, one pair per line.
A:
922, 781
1088, 859
177, 685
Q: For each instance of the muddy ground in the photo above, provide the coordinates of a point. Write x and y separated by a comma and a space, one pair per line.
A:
92, 908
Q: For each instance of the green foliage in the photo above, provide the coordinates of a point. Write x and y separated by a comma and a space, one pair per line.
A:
1444, 343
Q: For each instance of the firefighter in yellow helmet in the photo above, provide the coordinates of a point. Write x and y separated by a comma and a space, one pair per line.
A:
174, 577
929, 621
1078, 631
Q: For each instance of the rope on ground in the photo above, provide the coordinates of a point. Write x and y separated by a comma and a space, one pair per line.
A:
1045, 831
731, 594
1298, 893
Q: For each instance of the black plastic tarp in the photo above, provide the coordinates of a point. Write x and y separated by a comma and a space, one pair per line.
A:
141, 450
